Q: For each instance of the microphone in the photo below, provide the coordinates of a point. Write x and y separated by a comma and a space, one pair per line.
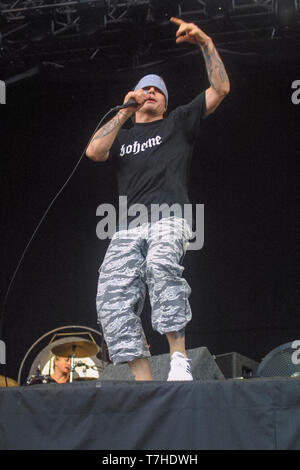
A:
130, 102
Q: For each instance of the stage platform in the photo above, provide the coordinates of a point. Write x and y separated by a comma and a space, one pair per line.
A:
237, 414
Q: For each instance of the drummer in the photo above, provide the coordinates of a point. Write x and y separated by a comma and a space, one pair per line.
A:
61, 369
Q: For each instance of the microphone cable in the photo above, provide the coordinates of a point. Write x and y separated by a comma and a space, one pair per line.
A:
116, 108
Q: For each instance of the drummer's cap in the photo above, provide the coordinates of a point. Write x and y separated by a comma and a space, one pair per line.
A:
153, 80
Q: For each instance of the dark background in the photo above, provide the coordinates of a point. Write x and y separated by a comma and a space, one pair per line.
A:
245, 170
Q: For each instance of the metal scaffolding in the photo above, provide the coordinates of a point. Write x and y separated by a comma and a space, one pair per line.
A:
126, 33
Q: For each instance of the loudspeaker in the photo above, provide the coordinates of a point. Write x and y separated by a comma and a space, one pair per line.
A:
203, 367
235, 365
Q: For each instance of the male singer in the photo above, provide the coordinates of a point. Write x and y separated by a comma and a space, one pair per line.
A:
152, 162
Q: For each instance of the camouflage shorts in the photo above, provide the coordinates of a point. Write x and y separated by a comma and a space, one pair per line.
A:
145, 256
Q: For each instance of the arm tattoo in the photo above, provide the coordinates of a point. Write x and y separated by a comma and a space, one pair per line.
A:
109, 127
210, 59
209, 65
220, 66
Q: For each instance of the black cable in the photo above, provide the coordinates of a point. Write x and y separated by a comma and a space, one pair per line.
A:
116, 108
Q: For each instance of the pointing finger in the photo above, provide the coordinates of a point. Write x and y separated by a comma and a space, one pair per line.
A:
176, 21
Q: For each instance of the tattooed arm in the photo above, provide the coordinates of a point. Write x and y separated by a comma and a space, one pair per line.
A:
219, 82
100, 144
98, 148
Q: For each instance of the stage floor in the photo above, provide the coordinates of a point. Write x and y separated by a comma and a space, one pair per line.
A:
237, 414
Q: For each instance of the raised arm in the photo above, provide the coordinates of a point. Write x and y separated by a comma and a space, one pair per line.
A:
219, 82
101, 142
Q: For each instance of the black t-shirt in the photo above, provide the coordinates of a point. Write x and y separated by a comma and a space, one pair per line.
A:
152, 159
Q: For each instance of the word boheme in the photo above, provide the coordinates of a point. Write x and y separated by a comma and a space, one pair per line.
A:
139, 214
137, 147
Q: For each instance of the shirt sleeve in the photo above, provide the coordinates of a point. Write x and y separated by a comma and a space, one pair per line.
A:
191, 114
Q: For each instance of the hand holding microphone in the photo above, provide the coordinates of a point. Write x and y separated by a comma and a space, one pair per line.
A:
134, 100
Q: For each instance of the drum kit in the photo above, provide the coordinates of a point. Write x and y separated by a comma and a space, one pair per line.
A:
76, 349
7, 382
87, 359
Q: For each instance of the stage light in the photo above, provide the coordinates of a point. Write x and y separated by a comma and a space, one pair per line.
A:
285, 12
215, 8
283, 361
162, 10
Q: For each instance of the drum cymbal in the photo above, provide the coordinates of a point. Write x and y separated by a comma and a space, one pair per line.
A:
78, 348
10, 382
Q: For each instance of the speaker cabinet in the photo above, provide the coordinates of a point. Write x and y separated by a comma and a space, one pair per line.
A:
235, 365
203, 367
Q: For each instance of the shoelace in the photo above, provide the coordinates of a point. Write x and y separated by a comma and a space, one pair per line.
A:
182, 362
188, 366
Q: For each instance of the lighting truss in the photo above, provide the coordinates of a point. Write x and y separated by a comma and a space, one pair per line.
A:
121, 33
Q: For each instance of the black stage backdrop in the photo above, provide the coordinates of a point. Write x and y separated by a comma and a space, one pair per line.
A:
245, 171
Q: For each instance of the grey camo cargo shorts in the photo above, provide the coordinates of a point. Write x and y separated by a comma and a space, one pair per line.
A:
141, 257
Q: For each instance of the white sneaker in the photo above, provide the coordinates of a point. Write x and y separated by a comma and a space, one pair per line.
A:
180, 368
